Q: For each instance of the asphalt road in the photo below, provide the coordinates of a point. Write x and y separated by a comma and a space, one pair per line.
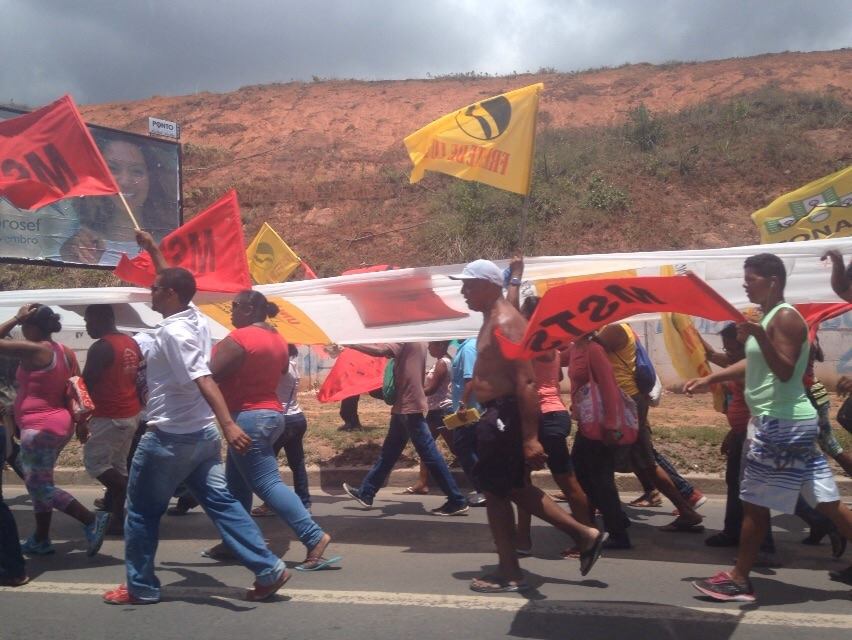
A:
405, 574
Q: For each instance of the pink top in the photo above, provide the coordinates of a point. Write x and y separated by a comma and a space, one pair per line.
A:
547, 383
592, 356
40, 403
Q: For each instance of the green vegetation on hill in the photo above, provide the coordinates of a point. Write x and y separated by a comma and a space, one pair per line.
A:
621, 187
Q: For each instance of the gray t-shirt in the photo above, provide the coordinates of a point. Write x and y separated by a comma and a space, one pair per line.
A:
409, 367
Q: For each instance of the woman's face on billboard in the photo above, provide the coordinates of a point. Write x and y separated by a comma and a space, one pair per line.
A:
127, 164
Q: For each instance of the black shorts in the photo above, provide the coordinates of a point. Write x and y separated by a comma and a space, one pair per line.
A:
499, 445
553, 430
642, 451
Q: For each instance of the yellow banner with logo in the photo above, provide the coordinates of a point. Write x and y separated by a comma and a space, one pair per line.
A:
820, 209
270, 259
291, 322
491, 141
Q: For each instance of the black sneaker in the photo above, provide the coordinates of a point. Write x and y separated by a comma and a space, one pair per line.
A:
721, 539
354, 493
844, 576
722, 587
450, 509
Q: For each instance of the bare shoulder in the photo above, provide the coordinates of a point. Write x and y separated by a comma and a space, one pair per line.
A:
510, 322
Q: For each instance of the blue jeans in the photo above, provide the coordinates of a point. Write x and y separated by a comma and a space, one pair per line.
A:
290, 440
257, 471
403, 427
11, 561
162, 461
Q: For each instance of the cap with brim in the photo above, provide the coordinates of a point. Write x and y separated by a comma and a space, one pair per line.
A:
481, 270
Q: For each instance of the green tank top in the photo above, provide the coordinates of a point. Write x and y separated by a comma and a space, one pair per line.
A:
766, 394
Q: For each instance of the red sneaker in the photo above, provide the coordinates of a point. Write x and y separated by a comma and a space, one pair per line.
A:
120, 595
696, 501
266, 591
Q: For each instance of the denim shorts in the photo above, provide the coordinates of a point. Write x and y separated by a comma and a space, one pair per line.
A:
553, 430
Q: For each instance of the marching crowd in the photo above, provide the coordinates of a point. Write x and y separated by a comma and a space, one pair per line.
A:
162, 402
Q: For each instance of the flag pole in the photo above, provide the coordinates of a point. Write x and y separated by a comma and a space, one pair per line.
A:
129, 212
525, 207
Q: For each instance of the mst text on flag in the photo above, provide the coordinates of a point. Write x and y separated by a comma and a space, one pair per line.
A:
48, 155
491, 141
572, 310
210, 246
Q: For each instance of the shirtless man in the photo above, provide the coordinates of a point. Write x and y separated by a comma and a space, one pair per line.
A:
507, 434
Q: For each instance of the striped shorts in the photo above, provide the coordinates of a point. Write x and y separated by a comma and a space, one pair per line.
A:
782, 462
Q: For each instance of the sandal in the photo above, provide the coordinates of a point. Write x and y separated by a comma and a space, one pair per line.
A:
413, 491
495, 584
679, 525
262, 511
316, 563
590, 556
573, 552
652, 499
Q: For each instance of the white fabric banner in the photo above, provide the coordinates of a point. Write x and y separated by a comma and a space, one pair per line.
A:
421, 304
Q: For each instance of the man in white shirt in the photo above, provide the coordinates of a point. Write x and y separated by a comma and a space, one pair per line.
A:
183, 445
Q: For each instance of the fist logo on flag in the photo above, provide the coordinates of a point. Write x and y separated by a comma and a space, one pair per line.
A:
264, 257
485, 120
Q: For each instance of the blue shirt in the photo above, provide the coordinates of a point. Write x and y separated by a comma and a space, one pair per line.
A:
462, 371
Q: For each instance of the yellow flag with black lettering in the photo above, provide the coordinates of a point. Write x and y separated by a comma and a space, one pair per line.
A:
820, 209
491, 141
270, 260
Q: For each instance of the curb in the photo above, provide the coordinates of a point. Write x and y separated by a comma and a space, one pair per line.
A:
330, 479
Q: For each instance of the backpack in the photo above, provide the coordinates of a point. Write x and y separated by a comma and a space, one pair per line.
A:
645, 375
389, 384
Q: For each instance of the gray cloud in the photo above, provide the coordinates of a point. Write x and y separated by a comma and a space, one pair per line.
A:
108, 50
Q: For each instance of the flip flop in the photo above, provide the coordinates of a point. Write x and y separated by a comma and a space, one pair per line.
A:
680, 526
316, 564
493, 584
589, 557
411, 491
645, 501
218, 552
524, 552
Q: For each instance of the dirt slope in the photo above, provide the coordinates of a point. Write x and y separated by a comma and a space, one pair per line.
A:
305, 156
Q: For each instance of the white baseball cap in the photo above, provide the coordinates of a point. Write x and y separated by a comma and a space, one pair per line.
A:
481, 270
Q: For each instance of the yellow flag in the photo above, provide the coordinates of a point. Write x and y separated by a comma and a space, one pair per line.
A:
820, 209
490, 141
270, 259
685, 349
291, 322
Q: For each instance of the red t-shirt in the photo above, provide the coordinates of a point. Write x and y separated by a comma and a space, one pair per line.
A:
737, 411
252, 385
115, 394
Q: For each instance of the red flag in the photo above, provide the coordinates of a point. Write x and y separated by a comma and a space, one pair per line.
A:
353, 373
572, 310
309, 273
210, 246
817, 312
48, 155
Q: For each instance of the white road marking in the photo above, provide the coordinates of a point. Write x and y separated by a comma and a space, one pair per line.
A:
512, 604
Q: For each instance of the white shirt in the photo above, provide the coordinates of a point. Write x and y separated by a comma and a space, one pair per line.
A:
176, 359
288, 390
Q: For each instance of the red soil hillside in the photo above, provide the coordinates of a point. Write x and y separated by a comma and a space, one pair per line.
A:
309, 157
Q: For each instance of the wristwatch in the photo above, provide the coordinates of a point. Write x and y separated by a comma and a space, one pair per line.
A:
515, 281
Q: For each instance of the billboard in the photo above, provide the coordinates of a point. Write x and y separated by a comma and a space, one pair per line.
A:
96, 230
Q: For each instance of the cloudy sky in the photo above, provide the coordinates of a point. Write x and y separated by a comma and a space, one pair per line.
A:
108, 50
